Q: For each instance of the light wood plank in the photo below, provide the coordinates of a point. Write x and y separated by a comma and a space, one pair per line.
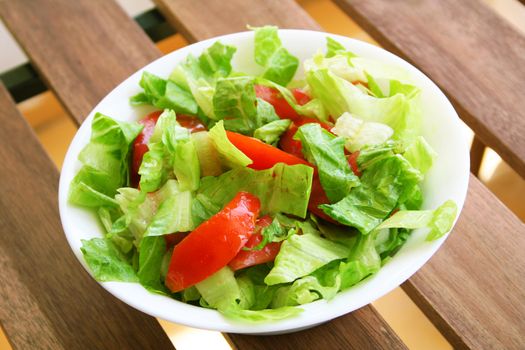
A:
199, 20
48, 300
473, 289
472, 53
81, 48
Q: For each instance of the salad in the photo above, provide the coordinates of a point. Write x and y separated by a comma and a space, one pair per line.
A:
255, 194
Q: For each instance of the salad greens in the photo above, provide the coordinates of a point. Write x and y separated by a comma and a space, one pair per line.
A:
328, 216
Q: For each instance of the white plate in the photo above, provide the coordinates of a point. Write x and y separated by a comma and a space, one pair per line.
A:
448, 179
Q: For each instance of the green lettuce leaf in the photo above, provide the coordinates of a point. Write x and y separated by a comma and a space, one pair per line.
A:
106, 262
362, 261
358, 133
229, 155
265, 315
383, 185
207, 154
439, 221
420, 154
105, 162
281, 189
271, 132
300, 255
220, 290
279, 65
152, 250
327, 152
163, 94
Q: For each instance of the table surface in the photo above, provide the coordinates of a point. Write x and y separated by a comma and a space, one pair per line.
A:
473, 289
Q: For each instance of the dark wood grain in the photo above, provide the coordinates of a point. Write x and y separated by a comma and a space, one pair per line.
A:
81, 48
473, 289
47, 299
340, 333
199, 20
472, 53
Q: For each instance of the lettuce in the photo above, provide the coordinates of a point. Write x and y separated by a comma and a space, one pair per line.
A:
300, 255
327, 152
359, 134
281, 189
106, 262
152, 250
271, 132
383, 185
163, 94
279, 65
104, 161
229, 155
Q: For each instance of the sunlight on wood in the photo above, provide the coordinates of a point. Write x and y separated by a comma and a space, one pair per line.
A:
186, 338
409, 322
4, 343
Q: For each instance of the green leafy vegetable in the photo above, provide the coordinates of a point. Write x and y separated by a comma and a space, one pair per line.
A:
363, 261
359, 134
279, 65
163, 94
281, 189
106, 262
104, 161
152, 250
383, 185
271, 132
327, 152
229, 155
300, 255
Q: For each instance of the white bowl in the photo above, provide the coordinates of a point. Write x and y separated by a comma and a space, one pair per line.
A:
448, 179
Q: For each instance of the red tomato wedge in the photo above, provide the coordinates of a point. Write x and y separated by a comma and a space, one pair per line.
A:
140, 145
300, 96
246, 258
265, 156
214, 243
352, 160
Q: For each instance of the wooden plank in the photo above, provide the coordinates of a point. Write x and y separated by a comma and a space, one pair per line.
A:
82, 49
199, 20
472, 53
187, 17
337, 334
48, 300
473, 289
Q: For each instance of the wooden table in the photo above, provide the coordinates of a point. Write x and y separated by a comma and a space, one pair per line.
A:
473, 289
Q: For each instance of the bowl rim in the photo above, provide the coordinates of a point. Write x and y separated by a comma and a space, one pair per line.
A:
314, 313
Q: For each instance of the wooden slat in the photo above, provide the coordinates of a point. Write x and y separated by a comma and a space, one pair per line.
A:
337, 334
473, 289
199, 20
48, 300
82, 48
472, 53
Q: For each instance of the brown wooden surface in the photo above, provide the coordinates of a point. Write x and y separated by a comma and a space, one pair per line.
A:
81, 48
337, 334
472, 53
47, 299
473, 289
199, 20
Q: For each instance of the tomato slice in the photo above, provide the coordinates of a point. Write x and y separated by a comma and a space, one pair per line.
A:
301, 97
352, 160
174, 238
263, 155
246, 258
214, 243
140, 145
